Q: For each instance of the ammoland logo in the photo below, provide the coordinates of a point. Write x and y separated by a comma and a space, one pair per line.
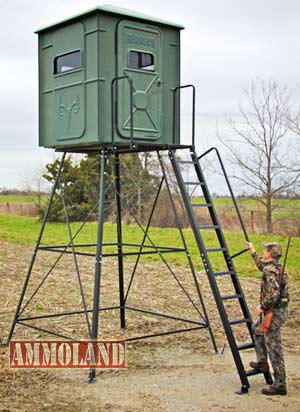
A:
67, 354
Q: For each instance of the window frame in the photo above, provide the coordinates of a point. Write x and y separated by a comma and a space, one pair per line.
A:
56, 73
141, 69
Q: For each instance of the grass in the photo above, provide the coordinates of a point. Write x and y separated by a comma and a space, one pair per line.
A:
23, 199
25, 230
16, 199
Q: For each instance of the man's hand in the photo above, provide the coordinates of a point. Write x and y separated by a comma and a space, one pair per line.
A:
259, 311
250, 247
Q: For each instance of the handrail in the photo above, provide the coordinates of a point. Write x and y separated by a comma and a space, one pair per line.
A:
232, 196
113, 108
193, 114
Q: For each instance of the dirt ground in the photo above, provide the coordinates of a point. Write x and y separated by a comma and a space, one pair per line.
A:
178, 372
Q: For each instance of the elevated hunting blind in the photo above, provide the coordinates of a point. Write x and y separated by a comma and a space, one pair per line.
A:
81, 61
108, 82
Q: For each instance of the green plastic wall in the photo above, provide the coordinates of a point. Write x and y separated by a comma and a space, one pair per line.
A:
75, 107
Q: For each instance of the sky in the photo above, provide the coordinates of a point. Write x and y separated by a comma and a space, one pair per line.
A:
225, 45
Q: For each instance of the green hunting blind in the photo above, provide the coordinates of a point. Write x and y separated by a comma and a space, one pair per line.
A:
80, 57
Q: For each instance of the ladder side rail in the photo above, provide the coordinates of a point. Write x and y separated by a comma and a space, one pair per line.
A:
209, 272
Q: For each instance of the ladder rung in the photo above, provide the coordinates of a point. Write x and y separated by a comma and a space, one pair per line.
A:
186, 162
238, 321
224, 272
252, 372
216, 249
194, 183
209, 227
229, 297
201, 204
245, 346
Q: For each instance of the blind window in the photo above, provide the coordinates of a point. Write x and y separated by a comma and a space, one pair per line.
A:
141, 61
67, 62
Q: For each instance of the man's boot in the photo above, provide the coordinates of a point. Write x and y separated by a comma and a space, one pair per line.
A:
273, 391
260, 366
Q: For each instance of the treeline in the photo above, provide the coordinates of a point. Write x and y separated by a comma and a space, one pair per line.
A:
79, 183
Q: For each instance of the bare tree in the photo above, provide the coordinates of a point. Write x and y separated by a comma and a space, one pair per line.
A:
294, 125
259, 152
139, 181
34, 184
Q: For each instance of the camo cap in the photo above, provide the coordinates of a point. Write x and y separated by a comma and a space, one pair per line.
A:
274, 248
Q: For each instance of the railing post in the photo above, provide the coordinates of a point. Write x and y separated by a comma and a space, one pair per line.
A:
193, 110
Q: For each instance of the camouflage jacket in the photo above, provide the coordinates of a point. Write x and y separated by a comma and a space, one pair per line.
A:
272, 291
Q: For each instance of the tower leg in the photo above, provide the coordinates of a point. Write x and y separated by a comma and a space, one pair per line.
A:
119, 234
35, 250
98, 261
71, 243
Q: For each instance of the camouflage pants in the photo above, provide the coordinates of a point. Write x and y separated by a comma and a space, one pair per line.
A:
270, 344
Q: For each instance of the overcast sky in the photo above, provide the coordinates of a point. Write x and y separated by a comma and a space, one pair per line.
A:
225, 45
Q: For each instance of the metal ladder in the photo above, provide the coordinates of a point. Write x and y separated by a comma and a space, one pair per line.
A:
205, 252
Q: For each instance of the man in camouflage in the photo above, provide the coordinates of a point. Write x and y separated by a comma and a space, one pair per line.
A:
274, 291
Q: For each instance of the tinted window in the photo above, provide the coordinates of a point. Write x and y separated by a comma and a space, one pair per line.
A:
67, 62
141, 61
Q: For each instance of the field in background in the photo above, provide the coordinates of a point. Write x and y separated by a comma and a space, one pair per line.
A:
23, 199
20, 205
24, 230
286, 216
19, 225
